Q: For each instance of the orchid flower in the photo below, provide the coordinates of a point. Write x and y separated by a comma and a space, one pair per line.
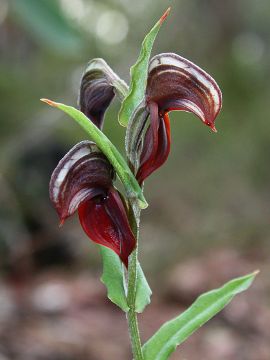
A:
173, 83
83, 181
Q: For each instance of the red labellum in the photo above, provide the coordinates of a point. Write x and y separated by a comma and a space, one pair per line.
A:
105, 221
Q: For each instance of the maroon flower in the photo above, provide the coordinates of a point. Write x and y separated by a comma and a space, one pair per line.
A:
83, 181
174, 83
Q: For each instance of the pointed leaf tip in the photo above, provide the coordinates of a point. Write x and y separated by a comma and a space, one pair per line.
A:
139, 74
177, 330
49, 102
165, 15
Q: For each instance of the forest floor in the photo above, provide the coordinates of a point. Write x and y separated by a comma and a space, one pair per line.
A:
59, 316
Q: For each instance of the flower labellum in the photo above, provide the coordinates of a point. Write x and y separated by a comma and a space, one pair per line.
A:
174, 83
104, 220
83, 181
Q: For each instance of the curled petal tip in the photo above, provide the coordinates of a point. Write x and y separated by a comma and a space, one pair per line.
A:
175, 83
49, 102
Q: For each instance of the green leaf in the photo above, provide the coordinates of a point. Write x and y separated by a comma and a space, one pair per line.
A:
113, 277
133, 189
174, 332
138, 74
143, 291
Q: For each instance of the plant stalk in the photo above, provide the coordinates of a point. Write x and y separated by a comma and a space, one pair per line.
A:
131, 294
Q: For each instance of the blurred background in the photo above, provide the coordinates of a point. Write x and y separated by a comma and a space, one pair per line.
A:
208, 218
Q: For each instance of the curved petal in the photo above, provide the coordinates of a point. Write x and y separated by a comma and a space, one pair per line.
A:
175, 83
84, 172
98, 87
105, 222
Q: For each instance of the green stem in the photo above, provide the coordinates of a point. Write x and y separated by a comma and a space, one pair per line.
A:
131, 295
